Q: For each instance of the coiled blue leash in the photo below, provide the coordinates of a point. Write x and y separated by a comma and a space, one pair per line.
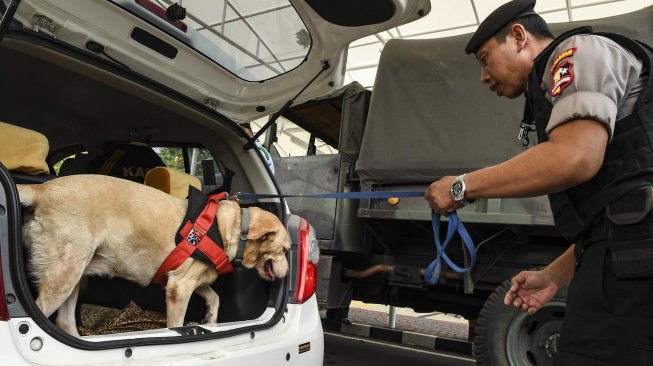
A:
434, 270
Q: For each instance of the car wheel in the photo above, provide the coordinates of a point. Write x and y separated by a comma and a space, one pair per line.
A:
510, 337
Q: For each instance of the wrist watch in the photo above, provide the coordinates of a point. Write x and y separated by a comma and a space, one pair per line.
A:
458, 189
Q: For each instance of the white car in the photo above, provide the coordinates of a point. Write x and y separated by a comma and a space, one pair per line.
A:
118, 87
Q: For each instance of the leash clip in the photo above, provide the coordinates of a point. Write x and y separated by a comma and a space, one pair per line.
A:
524, 129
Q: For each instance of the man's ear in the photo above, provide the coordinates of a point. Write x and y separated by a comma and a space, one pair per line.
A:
518, 32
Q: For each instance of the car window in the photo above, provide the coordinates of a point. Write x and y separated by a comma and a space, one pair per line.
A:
292, 140
195, 161
254, 40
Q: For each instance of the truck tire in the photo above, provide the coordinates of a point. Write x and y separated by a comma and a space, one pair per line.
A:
506, 336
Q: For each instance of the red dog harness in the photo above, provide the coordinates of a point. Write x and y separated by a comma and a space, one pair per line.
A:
197, 237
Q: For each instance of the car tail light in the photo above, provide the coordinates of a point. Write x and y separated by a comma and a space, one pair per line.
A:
309, 259
4, 313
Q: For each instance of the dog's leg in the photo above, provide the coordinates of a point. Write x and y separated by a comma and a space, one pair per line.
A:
177, 297
66, 314
58, 274
182, 282
212, 301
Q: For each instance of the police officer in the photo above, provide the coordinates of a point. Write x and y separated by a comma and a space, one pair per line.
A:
589, 98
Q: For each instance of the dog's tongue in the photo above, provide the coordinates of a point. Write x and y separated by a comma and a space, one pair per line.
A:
268, 270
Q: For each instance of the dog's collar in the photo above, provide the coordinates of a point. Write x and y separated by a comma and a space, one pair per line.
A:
244, 230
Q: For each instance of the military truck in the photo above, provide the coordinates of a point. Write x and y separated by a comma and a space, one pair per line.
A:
428, 116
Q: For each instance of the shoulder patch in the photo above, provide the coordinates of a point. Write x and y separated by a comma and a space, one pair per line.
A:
563, 55
562, 77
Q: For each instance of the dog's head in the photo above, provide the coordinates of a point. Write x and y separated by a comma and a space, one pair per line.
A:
267, 244
267, 239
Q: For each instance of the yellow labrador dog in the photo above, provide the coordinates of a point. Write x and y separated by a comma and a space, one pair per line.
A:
104, 226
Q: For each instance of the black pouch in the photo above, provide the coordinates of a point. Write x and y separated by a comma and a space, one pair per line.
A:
631, 234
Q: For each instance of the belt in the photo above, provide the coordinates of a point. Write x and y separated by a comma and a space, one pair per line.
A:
598, 232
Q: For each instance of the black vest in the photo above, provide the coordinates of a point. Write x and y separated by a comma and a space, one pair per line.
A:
628, 162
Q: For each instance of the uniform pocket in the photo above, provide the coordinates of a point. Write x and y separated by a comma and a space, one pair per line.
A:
631, 234
631, 208
632, 259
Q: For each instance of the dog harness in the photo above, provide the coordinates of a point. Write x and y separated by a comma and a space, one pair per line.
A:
197, 237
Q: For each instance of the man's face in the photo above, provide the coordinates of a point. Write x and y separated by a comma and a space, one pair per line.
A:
504, 67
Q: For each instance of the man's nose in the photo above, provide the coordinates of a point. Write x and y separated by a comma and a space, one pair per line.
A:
485, 77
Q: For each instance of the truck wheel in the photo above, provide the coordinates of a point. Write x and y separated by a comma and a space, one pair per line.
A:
506, 336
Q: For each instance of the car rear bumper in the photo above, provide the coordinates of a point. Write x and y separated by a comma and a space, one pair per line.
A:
295, 340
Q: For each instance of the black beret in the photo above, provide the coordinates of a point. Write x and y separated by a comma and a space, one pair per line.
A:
497, 20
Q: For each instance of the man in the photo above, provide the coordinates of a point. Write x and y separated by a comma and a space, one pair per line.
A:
594, 160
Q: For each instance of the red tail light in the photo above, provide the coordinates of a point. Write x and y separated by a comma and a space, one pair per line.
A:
309, 258
4, 313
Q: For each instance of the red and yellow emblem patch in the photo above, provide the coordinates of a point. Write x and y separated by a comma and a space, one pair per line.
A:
562, 77
563, 55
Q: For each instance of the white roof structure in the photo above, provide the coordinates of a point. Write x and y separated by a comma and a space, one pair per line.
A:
447, 18
453, 17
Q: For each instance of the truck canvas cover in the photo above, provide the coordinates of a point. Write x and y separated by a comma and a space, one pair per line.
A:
431, 116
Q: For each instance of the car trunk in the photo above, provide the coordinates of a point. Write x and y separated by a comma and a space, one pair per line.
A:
79, 101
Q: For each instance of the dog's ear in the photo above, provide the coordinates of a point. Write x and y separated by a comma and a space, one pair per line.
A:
261, 235
262, 223
251, 254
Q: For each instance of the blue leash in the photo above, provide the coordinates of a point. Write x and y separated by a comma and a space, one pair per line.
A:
434, 270
350, 195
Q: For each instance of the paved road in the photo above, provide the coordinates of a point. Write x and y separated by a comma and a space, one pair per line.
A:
346, 350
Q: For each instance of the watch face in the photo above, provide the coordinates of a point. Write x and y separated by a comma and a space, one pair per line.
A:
457, 188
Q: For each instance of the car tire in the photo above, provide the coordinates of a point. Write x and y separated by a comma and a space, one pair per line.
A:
506, 336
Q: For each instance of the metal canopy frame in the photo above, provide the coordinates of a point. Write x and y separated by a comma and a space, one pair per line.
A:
432, 29
550, 14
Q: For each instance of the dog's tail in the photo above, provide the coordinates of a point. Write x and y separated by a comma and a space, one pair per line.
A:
27, 194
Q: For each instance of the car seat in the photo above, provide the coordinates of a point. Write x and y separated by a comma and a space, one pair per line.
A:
23, 153
131, 161
171, 181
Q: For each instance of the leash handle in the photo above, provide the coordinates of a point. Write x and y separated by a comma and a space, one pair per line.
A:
434, 270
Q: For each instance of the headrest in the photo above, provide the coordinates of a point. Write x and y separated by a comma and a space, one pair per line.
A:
171, 181
23, 150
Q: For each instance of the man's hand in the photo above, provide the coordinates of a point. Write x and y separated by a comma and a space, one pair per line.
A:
530, 291
439, 196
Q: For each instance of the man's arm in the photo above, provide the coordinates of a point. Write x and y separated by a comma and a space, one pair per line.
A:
572, 155
530, 290
561, 270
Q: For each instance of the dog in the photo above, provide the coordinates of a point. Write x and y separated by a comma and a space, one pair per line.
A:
97, 225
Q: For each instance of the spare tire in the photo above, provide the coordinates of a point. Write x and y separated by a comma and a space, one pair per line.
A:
506, 336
